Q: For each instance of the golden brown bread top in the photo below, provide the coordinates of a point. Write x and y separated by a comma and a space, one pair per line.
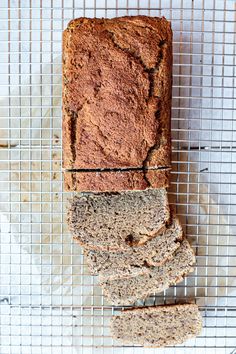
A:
117, 93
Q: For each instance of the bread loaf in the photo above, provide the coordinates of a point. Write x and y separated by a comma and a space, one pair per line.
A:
117, 102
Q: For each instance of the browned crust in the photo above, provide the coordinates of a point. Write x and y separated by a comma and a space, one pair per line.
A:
158, 308
94, 145
115, 181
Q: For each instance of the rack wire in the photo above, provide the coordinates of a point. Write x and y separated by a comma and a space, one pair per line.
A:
49, 302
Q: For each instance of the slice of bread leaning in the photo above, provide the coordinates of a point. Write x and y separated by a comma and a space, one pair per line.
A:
157, 326
137, 260
127, 291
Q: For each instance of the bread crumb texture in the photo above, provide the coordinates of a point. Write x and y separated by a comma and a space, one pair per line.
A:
157, 326
108, 221
136, 260
128, 291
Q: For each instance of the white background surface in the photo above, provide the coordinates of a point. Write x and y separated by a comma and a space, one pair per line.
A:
49, 302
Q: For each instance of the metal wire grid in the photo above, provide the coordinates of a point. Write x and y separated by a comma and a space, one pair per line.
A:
49, 302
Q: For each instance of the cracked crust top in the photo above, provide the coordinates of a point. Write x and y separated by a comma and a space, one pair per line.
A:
117, 93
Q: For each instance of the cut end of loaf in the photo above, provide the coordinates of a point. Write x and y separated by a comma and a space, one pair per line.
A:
158, 326
93, 219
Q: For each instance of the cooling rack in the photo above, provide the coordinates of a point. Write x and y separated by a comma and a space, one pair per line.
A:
48, 301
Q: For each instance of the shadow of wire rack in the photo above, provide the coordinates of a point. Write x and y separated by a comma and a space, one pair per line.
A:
49, 303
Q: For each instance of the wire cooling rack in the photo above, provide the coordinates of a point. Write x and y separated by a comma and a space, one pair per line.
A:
49, 302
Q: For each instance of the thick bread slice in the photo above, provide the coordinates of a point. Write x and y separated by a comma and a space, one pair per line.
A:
116, 181
118, 221
127, 291
157, 326
138, 260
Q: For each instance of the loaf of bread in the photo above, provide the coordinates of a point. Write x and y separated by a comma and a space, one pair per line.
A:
138, 260
118, 221
127, 291
157, 326
116, 103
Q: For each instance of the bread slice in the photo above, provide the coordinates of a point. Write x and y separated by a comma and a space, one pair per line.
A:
118, 221
127, 291
116, 181
138, 260
157, 326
